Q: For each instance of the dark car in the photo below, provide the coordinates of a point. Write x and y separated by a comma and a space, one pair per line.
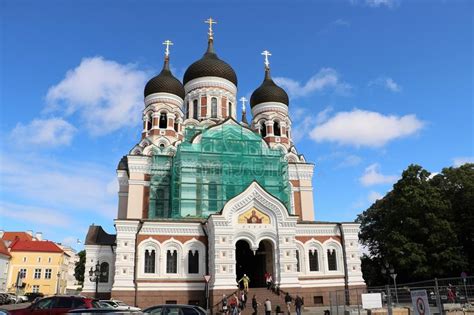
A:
175, 309
57, 305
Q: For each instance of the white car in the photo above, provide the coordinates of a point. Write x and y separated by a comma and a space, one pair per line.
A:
119, 305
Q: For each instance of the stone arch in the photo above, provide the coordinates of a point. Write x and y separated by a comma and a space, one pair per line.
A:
148, 244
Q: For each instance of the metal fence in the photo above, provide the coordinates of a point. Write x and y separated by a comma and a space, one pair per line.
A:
443, 294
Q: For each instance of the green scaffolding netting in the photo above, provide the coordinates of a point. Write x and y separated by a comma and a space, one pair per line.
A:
210, 167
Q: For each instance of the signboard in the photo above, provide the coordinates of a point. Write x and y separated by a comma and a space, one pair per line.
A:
207, 278
419, 298
371, 300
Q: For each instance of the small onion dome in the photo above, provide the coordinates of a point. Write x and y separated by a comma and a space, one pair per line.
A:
268, 91
210, 66
165, 82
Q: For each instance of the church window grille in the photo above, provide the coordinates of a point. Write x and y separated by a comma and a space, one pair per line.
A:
276, 129
332, 260
212, 196
171, 261
263, 129
193, 261
163, 121
104, 272
298, 268
230, 109
195, 109
150, 261
313, 260
214, 107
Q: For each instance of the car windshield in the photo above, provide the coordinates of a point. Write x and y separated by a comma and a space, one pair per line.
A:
121, 303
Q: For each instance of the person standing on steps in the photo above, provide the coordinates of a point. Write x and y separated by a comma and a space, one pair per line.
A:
224, 304
245, 280
255, 305
288, 300
268, 280
268, 307
298, 304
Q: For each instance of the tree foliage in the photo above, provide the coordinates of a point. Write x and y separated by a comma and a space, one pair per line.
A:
80, 267
423, 227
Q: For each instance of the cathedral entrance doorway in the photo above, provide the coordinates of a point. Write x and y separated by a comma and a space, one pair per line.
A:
254, 265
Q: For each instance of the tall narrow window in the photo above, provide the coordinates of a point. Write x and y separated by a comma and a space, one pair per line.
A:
149, 123
193, 261
212, 196
104, 272
160, 203
163, 121
186, 114
195, 109
171, 261
150, 261
298, 268
230, 109
313, 260
176, 126
332, 259
214, 107
263, 129
276, 129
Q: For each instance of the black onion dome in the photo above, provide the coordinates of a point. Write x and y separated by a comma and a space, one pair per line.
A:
165, 82
210, 66
268, 91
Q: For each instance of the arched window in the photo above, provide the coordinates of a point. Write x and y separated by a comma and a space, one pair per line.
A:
104, 272
213, 107
276, 129
176, 126
186, 114
263, 129
230, 109
163, 121
212, 196
193, 261
149, 123
195, 109
150, 261
171, 261
313, 260
332, 259
298, 267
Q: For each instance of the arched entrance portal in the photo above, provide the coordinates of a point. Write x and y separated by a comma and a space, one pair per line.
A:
254, 264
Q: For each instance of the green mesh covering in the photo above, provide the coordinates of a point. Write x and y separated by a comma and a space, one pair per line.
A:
221, 163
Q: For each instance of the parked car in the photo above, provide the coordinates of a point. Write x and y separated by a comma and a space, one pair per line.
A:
4, 298
119, 305
57, 305
175, 309
33, 295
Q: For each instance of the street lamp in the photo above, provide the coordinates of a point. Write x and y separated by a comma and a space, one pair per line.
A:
390, 271
58, 284
94, 276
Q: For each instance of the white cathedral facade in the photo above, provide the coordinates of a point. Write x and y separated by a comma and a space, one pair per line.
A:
203, 194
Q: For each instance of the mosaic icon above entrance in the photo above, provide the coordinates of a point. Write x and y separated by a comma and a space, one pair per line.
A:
254, 216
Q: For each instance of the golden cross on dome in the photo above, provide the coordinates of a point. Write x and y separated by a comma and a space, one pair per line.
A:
167, 43
266, 53
243, 100
210, 21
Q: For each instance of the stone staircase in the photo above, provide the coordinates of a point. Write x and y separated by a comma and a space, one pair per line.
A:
262, 294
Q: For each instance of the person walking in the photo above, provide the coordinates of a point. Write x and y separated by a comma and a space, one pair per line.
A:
269, 280
224, 304
255, 305
298, 304
288, 300
245, 280
268, 307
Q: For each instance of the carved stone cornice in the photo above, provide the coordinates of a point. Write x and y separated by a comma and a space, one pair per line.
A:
299, 171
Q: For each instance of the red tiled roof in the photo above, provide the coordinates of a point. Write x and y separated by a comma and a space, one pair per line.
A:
35, 246
4, 249
11, 236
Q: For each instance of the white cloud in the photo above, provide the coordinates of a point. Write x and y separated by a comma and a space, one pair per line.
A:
462, 160
365, 128
350, 160
372, 176
38, 215
326, 78
107, 95
380, 3
341, 22
44, 132
323, 115
75, 188
374, 196
387, 83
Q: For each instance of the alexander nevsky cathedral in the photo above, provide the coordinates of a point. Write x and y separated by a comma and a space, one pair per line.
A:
206, 197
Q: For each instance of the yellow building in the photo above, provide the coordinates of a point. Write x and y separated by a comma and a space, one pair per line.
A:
37, 266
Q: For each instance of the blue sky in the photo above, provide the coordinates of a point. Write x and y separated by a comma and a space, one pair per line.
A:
374, 85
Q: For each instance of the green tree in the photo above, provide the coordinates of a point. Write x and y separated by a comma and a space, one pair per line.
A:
411, 228
80, 267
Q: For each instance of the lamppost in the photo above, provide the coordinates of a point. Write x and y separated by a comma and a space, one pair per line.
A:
390, 271
57, 288
94, 276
